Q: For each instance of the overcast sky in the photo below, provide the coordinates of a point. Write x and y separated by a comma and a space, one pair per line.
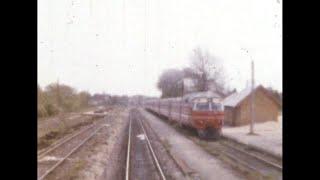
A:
121, 46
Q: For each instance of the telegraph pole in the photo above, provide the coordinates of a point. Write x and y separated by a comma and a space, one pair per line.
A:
252, 99
252, 94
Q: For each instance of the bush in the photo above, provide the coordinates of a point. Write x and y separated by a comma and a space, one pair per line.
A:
42, 112
56, 98
51, 109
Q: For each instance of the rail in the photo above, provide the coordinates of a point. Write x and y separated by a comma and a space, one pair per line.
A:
70, 153
61, 142
155, 159
260, 159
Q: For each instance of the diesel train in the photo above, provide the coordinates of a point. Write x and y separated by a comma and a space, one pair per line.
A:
205, 114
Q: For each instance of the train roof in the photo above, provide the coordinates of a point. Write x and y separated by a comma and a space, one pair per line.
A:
206, 94
190, 97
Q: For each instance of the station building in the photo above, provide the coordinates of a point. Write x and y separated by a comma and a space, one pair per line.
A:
237, 107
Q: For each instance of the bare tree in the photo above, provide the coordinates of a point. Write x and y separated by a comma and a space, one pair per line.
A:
207, 72
189, 73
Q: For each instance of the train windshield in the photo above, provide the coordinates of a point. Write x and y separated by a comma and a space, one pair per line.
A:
216, 107
207, 105
202, 106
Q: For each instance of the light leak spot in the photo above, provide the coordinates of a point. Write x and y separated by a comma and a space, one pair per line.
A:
50, 158
141, 137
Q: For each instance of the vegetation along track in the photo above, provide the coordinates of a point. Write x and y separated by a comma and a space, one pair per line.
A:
54, 156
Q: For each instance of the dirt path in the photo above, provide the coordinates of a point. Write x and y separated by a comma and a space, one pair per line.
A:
195, 157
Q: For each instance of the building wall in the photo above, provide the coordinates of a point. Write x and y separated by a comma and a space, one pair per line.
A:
237, 116
228, 115
265, 110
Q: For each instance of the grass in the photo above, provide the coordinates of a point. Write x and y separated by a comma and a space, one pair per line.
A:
78, 165
61, 131
49, 138
166, 144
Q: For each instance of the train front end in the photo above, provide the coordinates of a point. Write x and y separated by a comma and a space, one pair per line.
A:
207, 117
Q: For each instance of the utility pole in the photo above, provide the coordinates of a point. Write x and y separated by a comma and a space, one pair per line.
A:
252, 99
252, 94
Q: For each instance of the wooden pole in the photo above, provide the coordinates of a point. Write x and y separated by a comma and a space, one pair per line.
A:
252, 99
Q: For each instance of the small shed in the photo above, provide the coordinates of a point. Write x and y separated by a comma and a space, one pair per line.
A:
237, 107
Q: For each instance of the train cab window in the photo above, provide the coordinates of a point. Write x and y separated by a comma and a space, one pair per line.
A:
202, 106
217, 106
214, 106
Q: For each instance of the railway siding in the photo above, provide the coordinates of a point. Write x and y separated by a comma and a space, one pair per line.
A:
63, 152
87, 154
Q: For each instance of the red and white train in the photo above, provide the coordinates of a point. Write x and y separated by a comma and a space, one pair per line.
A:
205, 114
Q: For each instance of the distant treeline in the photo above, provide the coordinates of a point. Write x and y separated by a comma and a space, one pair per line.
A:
56, 98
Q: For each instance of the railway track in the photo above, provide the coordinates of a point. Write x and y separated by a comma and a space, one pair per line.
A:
55, 155
140, 165
267, 160
67, 138
253, 163
60, 142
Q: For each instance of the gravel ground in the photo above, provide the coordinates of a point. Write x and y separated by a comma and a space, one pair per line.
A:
101, 157
57, 121
207, 166
61, 121
51, 158
115, 169
268, 136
